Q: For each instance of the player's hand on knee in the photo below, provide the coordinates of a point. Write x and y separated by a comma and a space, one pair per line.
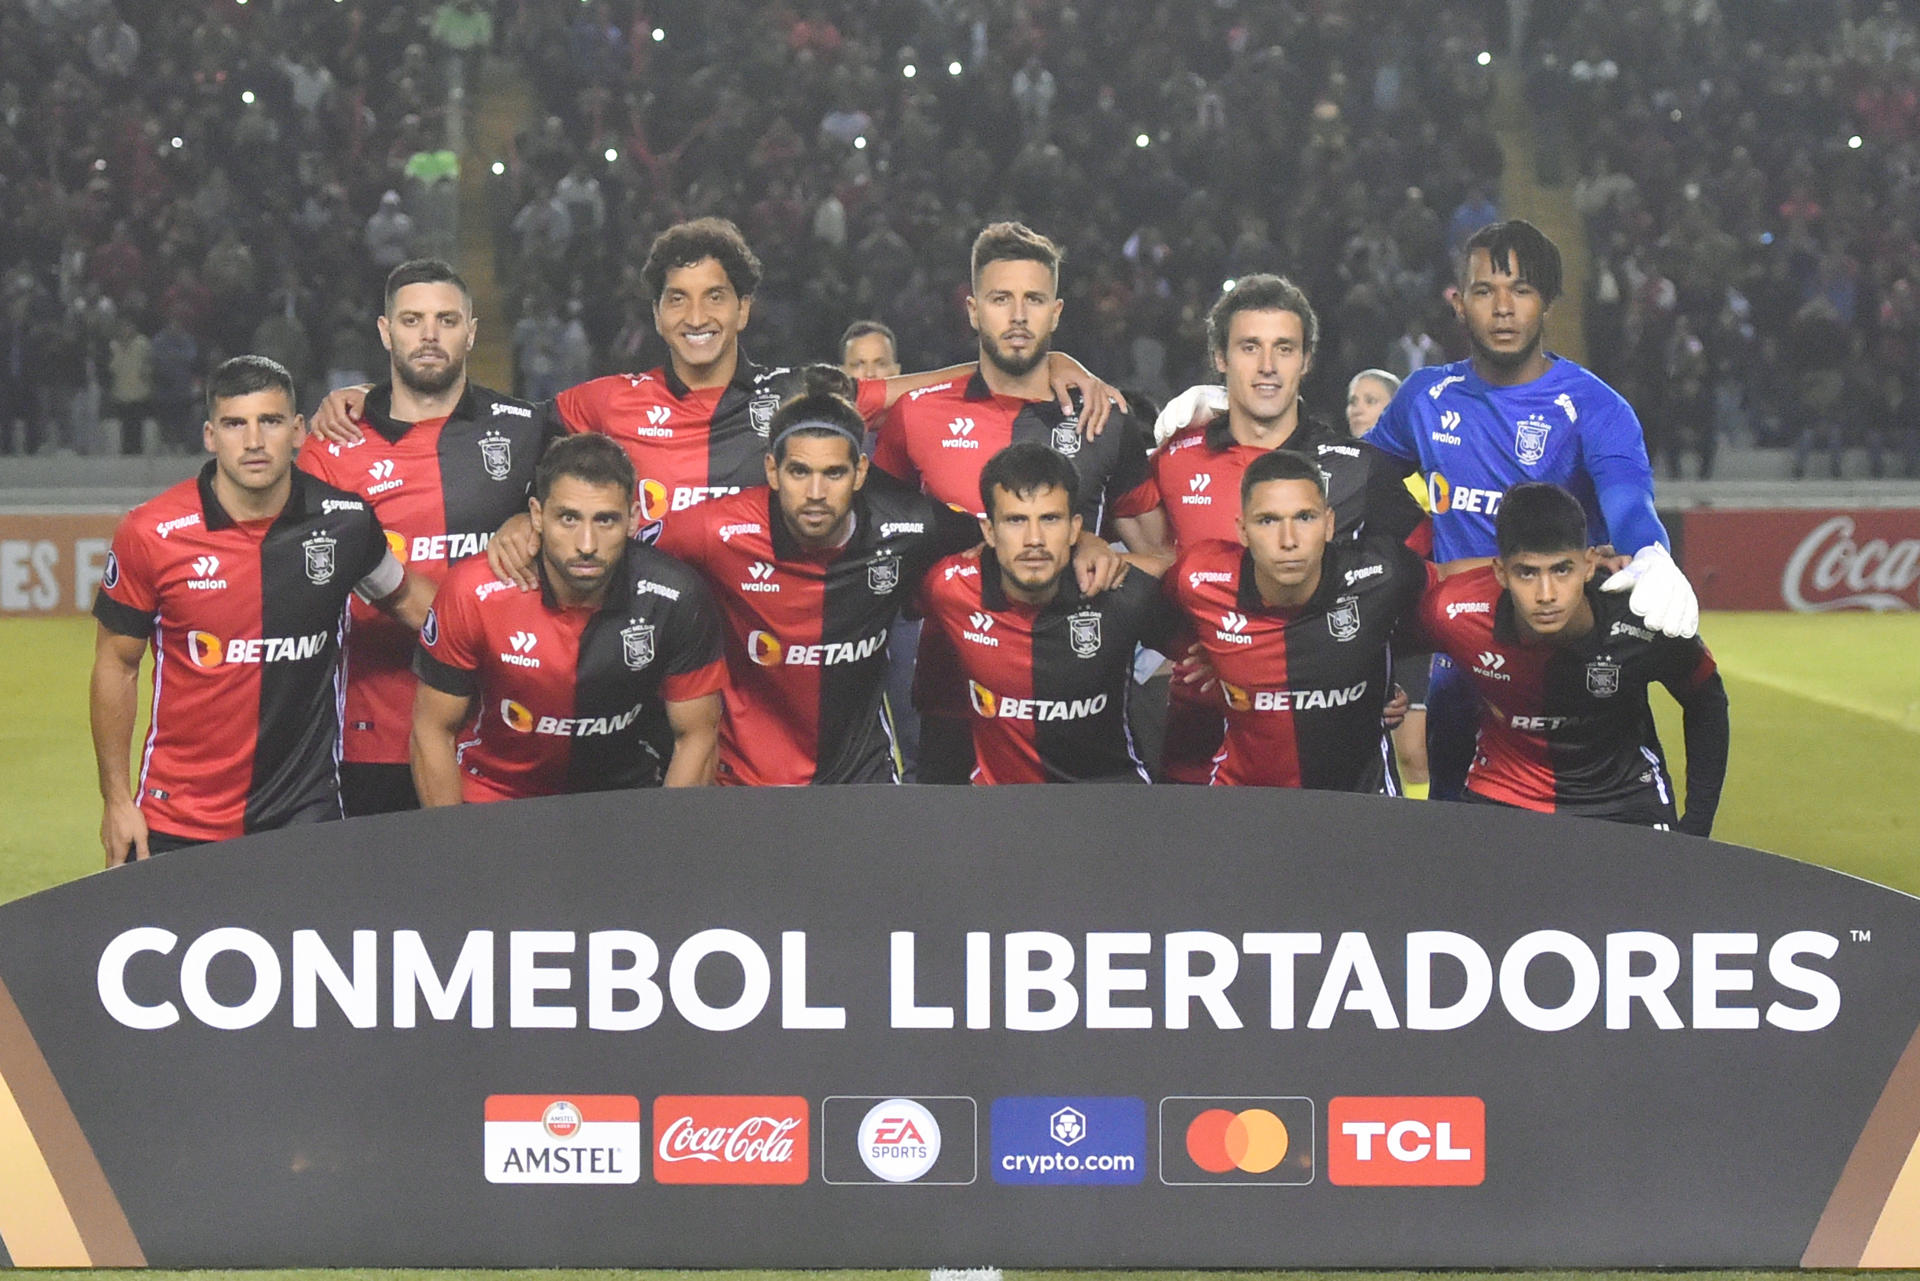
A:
1195, 405
337, 421
123, 833
1661, 593
511, 552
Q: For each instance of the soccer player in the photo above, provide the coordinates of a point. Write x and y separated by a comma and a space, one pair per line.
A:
1262, 334
1295, 623
810, 570
608, 677
1048, 669
868, 350
444, 463
237, 580
1562, 671
939, 437
1515, 412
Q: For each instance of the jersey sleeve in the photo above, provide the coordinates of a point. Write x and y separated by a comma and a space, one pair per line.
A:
953, 531
579, 410
870, 398
1391, 509
1131, 468
890, 453
1139, 500
1393, 434
686, 537
314, 460
1157, 616
691, 640
1688, 671
1614, 449
552, 422
129, 595
448, 655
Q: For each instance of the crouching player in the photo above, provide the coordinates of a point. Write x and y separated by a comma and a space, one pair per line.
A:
1562, 671
607, 677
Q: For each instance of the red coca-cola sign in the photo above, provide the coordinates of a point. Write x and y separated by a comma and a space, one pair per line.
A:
729, 1138
1808, 559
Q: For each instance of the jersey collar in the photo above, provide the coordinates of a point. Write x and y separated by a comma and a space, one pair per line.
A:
787, 548
299, 499
378, 411
619, 595
744, 371
993, 593
1246, 593
1309, 431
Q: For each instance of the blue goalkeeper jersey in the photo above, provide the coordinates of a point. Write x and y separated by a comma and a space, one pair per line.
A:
1474, 441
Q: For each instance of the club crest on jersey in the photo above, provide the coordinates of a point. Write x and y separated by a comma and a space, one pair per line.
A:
636, 645
1343, 620
883, 574
760, 411
1066, 436
496, 455
319, 550
111, 578
1083, 633
1603, 679
1530, 440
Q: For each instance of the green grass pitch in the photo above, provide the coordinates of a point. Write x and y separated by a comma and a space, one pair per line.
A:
1825, 767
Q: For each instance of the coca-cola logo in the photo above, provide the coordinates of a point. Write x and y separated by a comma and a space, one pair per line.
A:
730, 1139
1866, 574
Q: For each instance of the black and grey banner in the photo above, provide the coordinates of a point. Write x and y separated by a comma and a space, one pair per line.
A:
888, 1027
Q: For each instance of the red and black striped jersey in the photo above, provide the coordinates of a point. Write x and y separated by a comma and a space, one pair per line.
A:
1302, 687
1566, 728
245, 619
691, 445
1047, 684
571, 699
807, 632
441, 488
940, 437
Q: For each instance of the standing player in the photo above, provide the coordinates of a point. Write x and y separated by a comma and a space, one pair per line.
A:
868, 351
1048, 669
1562, 671
444, 463
810, 571
237, 580
1296, 624
609, 677
1515, 412
1262, 334
938, 437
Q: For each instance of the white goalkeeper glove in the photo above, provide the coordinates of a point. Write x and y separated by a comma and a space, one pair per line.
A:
1661, 593
1195, 404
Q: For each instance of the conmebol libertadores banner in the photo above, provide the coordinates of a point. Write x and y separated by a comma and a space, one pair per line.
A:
913, 1027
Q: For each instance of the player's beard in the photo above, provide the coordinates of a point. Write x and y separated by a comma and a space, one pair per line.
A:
1506, 360
1012, 366
428, 383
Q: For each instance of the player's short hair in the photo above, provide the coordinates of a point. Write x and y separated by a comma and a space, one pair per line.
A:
425, 271
590, 458
823, 408
1262, 291
1024, 469
686, 243
1015, 242
1281, 464
861, 328
245, 375
1386, 378
1539, 518
1521, 250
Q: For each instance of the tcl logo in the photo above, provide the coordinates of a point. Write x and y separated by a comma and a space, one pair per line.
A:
1407, 1142
730, 1139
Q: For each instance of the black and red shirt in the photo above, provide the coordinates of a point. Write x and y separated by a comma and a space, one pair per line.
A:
807, 632
690, 445
441, 488
571, 699
1301, 687
1196, 477
1047, 684
940, 437
245, 621
1565, 728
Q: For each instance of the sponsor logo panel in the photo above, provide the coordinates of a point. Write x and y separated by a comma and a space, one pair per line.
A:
1057, 1140
1252, 1139
925, 1139
755, 1139
1406, 1142
562, 1138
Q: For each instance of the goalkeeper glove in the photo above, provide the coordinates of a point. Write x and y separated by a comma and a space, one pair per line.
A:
1661, 593
1195, 404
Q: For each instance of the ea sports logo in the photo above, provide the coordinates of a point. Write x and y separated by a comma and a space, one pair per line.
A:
205, 649
1253, 1141
763, 649
516, 716
561, 1119
655, 500
899, 1140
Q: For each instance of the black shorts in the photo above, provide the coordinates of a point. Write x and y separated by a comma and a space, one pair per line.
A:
1646, 809
1412, 672
376, 789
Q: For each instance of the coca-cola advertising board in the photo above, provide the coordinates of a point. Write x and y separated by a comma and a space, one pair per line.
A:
1806, 559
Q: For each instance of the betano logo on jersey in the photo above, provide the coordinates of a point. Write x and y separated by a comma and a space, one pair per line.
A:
1004, 708
520, 719
1447, 497
656, 500
1289, 700
766, 650
442, 547
207, 650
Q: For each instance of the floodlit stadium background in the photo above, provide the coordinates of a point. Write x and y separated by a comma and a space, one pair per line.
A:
1668, 161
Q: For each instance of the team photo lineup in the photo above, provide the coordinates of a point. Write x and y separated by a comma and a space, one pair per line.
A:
1006, 571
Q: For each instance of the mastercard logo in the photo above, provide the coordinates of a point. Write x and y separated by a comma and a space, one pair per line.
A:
985, 701
763, 649
516, 716
397, 544
1266, 1140
205, 649
1254, 1140
654, 500
1238, 699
